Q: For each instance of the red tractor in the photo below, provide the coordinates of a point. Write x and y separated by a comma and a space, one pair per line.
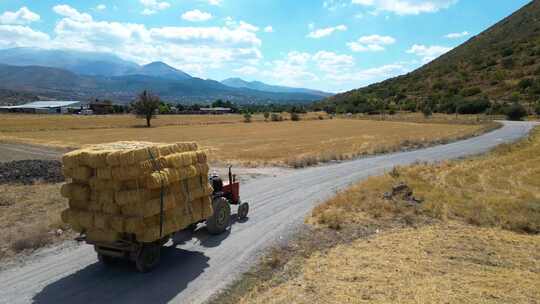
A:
225, 194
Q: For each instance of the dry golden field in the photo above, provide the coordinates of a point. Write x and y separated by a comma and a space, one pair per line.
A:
30, 217
230, 140
473, 238
443, 263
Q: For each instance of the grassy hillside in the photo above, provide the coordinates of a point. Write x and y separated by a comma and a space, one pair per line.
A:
463, 231
500, 65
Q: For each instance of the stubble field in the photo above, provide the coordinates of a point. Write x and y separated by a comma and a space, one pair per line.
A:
230, 140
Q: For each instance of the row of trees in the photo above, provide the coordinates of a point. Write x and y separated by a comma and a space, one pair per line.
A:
451, 105
148, 105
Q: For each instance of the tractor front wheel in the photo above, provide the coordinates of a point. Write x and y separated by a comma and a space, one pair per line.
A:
220, 219
243, 210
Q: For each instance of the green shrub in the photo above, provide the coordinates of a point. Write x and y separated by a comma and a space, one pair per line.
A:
516, 112
525, 83
247, 117
471, 91
276, 117
295, 116
508, 63
473, 106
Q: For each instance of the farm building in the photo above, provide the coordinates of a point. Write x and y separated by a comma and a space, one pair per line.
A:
44, 107
215, 110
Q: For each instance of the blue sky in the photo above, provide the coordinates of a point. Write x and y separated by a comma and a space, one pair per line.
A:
332, 45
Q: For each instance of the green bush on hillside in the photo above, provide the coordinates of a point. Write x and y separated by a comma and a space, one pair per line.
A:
516, 112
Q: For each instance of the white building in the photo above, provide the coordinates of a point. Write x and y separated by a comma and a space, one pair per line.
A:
44, 107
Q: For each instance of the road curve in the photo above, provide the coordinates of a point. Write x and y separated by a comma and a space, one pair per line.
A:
193, 270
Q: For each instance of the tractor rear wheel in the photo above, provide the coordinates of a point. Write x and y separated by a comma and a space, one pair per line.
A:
148, 257
220, 219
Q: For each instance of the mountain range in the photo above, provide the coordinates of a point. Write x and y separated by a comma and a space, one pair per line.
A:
83, 75
500, 65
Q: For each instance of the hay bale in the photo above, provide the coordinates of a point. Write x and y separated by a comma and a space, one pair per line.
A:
119, 187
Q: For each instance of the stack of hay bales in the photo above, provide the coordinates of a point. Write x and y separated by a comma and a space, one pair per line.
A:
120, 188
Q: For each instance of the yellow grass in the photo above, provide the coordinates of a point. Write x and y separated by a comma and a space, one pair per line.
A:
467, 246
500, 189
444, 263
26, 122
233, 141
29, 217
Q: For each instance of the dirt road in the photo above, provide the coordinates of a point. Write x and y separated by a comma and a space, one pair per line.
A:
11, 151
196, 268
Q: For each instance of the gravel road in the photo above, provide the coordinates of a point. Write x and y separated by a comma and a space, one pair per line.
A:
14, 151
192, 271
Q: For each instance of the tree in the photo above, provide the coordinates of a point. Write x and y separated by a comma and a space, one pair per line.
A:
537, 109
516, 112
247, 117
146, 106
266, 116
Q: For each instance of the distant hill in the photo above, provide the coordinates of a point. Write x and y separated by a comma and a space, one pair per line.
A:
63, 84
260, 86
500, 65
83, 75
162, 70
83, 63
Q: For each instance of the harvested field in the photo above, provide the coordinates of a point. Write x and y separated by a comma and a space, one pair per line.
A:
295, 144
443, 263
30, 217
462, 231
31, 122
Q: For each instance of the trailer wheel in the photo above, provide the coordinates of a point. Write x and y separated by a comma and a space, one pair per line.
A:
105, 259
221, 217
243, 211
148, 257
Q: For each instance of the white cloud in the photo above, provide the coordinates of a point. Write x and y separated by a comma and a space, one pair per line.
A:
457, 35
333, 5
101, 7
406, 7
194, 49
22, 36
428, 53
326, 70
71, 13
323, 32
269, 29
214, 2
21, 17
196, 16
372, 43
247, 70
370, 75
153, 6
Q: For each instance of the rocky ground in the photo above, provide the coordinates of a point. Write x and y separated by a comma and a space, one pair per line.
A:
29, 172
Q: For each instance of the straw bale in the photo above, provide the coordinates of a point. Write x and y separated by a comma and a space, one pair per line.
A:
95, 206
149, 208
111, 209
81, 173
101, 221
104, 173
75, 204
75, 191
103, 236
